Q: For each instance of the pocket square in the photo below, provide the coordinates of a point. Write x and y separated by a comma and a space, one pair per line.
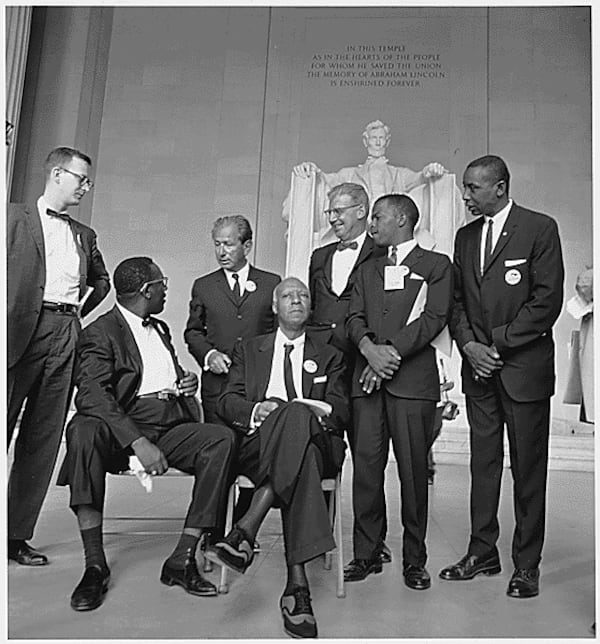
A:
514, 262
319, 379
416, 276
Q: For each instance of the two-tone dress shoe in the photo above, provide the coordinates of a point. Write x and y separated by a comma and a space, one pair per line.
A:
234, 551
298, 617
89, 592
188, 577
358, 569
525, 582
416, 577
384, 553
471, 565
21, 552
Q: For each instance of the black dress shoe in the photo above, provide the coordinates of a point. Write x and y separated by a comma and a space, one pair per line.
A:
234, 551
416, 577
358, 569
525, 582
298, 617
471, 565
21, 552
188, 577
384, 553
89, 592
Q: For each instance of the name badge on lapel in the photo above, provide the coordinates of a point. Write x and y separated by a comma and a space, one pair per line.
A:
250, 286
393, 277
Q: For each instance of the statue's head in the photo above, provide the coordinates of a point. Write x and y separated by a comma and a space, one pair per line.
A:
376, 138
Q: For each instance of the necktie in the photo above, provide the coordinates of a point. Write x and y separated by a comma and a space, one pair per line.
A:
487, 253
60, 215
237, 294
288, 378
343, 245
393, 257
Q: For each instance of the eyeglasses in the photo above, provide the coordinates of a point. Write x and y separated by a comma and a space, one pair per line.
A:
84, 182
340, 211
163, 280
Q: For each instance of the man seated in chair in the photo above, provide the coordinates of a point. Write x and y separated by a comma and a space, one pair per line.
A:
286, 448
133, 397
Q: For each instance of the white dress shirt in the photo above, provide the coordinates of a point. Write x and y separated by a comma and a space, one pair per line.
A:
276, 387
499, 220
342, 264
62, 258
402, 250
242, 277
158, 371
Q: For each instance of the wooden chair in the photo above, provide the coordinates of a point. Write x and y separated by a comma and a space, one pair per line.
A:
333, 486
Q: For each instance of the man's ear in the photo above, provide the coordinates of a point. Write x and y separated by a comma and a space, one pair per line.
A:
247, 247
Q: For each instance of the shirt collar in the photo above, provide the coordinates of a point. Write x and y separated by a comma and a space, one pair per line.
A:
500, 217
402, 250
43, 205
131, 318
281, 339
243, 272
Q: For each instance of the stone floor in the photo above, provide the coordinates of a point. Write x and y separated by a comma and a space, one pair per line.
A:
137, 606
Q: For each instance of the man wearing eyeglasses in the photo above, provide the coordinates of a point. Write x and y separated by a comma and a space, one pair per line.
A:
55, 276
331, 277
133, 398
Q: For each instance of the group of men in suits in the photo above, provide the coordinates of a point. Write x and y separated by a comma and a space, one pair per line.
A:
362, 330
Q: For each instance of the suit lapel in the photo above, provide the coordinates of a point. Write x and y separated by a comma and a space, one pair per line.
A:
223, 286
328, 266
310, 353
508, 230
252, 277
129, 340
35, 226
474, 249
265, 358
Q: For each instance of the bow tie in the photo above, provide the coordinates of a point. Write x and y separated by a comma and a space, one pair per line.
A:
60, 215
343, 245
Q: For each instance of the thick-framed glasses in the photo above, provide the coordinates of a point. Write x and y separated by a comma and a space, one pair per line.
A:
163, 280
84, 182
340, 211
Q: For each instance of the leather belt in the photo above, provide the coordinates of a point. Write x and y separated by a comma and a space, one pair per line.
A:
160, 395
61, 307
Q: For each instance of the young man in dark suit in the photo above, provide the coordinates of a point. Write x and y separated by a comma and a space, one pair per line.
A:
400, 303
286, 448
508, 294
230, 304
133, 398
331, 276
55, 276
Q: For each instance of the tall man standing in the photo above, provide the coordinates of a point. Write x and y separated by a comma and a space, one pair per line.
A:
230, 304
331, 276
52, 264
399, 304
508, 293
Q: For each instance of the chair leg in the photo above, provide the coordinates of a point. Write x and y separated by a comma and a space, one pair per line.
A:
341, 590
332, 515
224, 584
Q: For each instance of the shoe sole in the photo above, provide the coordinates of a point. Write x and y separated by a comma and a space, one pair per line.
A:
488, 572
215, 557
81, 609
30, 563
297, 637
521, 596
171, 581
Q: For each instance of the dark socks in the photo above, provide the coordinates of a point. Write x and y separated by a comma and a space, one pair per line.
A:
93, 548
187, 544
296, 577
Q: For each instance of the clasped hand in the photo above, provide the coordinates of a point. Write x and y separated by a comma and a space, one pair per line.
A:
150, 456
219, 362
188, 385
383, 359
484, 360
263, 409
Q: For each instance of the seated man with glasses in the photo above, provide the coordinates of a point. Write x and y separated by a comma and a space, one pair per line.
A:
133, 398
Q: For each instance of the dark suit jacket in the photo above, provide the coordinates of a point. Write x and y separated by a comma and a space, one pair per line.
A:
249, 379
382, 315
515, 303
26, 274
216, 322
108, 374
330, 310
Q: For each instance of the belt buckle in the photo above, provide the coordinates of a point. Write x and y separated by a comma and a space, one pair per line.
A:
165, 395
